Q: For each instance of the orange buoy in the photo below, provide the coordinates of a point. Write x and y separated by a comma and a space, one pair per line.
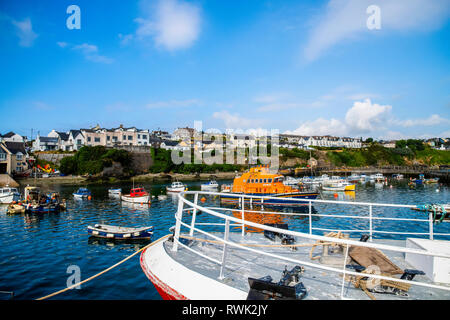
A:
203, 199
335, 195
89, 197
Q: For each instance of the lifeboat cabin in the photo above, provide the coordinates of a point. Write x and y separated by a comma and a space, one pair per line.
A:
259, 181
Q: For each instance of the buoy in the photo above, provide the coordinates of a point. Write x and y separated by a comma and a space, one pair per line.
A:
203, 199
89, 197
335, 195
437, 190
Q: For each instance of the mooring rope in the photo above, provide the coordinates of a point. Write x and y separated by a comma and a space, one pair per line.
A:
100, 273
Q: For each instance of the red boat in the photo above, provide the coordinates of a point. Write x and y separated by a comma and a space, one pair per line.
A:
137, 195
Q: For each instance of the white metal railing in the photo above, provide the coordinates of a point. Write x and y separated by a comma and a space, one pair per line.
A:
194, 226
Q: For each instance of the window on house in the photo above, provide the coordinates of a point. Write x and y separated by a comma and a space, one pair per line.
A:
130, 137
78, 141
144, 136
89, 139
108, 138
124, 137
2, 156
139, 136
97, 139
18, 157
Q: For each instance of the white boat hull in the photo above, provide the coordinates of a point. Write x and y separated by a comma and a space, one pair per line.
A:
8, 198
143, 199
175, 189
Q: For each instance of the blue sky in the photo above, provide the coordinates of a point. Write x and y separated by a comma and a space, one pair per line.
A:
305, 67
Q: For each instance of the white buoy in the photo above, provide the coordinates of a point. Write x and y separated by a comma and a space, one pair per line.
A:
437, 190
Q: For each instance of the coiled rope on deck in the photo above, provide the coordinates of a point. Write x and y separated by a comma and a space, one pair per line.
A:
102, 272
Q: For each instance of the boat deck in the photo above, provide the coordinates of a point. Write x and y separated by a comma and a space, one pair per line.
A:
320, 284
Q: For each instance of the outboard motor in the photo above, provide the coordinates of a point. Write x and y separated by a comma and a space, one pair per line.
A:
288, 288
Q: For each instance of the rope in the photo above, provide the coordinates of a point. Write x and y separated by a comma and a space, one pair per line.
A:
358, 282
100, 273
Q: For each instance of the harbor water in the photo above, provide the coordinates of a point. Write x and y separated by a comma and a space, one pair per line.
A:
38, 253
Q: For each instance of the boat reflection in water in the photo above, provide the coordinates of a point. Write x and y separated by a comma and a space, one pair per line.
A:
263, 215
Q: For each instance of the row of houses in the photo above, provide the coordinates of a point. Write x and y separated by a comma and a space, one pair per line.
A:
289, 141
73, 140
180, 139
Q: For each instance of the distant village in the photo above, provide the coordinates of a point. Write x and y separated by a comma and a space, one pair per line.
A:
15, 149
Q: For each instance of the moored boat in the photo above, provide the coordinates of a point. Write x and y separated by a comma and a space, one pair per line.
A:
261, 182
82, 193
137, 195
120, 233
211, 185
176, 186
338, 186
9, 195
15, 208
115, 192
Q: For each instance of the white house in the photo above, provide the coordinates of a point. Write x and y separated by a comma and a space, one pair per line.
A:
63, 139
76, 140
45, 143
12, 137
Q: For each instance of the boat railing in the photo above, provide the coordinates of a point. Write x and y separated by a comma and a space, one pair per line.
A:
229, 221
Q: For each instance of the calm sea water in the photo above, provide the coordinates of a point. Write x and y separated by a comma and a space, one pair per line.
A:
36, 250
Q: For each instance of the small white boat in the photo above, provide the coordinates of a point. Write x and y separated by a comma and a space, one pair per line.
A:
137, 195
115, 192
121, 233
176, 186
338, 186
210, 185
290, 181
82, 193
9, 195
377, 177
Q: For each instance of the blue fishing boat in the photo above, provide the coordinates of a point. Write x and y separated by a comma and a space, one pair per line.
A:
46, 203
82, 193
120, 233
420, 180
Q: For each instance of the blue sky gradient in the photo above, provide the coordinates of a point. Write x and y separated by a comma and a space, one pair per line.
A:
308, 67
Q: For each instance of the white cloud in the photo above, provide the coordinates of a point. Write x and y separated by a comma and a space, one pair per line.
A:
24, 31
432, 120
362, 117
172, 24
90, 52
346, 20
366, 117
62, 44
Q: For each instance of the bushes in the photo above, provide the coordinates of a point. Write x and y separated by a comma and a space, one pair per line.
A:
162, 162
92, 160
